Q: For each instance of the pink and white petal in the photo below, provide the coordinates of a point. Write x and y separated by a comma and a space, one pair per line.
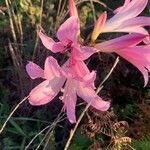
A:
50, 44
132, 29
51, 68
72, 8
133, 9
68, 31
70, 99
119, 9
98, 26
70, 108
34, 71
137, 57
120, 43
46, 91
47, 41
143, 31
58, 47
89, 79
83, 53
135, 25
136, 22
79, 69
66, 69
90, 96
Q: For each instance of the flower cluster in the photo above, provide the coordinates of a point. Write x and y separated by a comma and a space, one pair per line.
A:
78, 80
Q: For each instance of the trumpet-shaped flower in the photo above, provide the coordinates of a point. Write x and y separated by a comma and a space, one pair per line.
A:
78, 81
125, 46
68, 34
127, 20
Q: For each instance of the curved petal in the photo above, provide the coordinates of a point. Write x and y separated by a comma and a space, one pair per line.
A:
34, 71
139, 56
119, 9
136, 22
133, 9
79, 69
90, 96
135, 25
89, 79
50, 44
139, 30
82, 53
52, 68
46, 91
68, 31
69, 99
120, 43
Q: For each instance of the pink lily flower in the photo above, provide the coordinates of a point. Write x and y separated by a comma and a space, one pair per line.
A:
128, 48
68, 34
78, 81
127, 20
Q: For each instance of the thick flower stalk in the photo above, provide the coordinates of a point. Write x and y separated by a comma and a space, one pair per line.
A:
77, 79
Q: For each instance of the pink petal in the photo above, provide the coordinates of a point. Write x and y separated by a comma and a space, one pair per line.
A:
98, 26
52, 68
139, 56
89, 79
89, 95
69, 99
122, 7
136, 22
135, 25
133, 9
68, 31
82, 53
50, 44
120, 43
34, 71
76, 71
72, 8
79, 69
46, 91
139, 30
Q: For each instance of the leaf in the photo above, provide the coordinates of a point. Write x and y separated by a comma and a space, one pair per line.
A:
80, 142
18, 128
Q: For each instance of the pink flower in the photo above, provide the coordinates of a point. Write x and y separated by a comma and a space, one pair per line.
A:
78, 81
127, 20
128, 48
68, 34
69, 38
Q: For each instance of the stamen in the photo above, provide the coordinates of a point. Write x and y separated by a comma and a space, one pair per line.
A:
62, 90
61, 97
